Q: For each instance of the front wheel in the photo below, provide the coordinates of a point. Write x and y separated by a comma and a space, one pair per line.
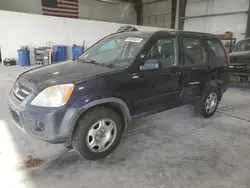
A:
97, 133
207, 103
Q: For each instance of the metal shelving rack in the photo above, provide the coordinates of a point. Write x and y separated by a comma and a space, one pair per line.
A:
43, 55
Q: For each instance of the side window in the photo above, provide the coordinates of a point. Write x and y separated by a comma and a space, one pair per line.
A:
243, 46
216, 53
194, 51
165, 51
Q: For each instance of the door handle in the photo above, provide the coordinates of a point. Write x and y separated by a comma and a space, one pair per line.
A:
175, 73
209, 66
135, 76
194, 83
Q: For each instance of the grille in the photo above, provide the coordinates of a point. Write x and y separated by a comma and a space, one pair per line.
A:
21, 92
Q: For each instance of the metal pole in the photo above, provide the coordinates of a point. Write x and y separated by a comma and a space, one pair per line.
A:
215, 14
177, 16
0, 56
155, 20
248, 23
182, 10
163, 20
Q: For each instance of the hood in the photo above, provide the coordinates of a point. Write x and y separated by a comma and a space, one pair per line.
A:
240, 57
62, 73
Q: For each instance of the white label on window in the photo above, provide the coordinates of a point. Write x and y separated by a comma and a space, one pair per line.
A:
133, 39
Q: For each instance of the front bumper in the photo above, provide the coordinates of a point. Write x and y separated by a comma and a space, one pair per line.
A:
46, 124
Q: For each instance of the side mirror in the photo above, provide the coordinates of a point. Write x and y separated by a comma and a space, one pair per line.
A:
150, 64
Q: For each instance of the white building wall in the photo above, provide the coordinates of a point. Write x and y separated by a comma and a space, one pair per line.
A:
21, 29
88, 9
217, 24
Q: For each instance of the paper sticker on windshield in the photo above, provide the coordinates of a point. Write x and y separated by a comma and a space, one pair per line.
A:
133, 39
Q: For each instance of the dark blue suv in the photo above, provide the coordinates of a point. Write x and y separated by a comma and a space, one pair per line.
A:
88, 102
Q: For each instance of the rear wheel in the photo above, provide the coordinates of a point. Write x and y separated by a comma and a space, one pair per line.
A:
207, 103
97, 133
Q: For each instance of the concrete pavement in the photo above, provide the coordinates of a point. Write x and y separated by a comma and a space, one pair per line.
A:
172, 149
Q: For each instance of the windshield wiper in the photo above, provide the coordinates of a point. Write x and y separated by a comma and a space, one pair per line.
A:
90, 62
110, 65
79, 59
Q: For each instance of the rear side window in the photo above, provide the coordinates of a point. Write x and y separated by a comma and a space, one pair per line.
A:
216, 53
194, 51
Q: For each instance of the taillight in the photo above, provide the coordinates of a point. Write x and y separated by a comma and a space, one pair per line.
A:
226, 52
228, 57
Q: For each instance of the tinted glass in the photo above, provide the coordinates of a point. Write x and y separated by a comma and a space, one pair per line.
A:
216, 53
243, 46
115, 50
193, 51
165, 51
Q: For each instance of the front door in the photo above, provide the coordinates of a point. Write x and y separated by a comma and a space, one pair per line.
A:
165, 82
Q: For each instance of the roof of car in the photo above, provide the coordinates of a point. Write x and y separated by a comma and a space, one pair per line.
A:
195, 33
171, 32
244, 39
135, 33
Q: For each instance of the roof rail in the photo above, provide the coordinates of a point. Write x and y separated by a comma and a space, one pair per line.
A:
126, 28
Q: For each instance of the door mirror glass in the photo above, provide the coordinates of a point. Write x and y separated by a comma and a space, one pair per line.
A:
150, 64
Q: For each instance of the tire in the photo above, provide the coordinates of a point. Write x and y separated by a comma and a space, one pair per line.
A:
201, 103
90, 138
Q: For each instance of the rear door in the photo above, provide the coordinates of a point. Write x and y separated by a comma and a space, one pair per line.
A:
195, 64
218, 62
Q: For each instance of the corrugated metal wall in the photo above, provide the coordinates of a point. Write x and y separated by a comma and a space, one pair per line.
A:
217, 16
158, 14
155, 14
121, 12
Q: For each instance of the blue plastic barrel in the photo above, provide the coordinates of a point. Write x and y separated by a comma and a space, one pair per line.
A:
60, 53
23, 58
77, 51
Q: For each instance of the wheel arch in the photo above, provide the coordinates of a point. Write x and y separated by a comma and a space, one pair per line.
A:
116, 104
216, 83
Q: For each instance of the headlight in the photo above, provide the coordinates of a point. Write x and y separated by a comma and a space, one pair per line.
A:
54, 96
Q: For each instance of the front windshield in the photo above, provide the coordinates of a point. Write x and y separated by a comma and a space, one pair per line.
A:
243, 46
116, 50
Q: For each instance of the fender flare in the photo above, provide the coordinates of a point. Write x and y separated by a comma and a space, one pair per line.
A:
214, 83
114, 101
